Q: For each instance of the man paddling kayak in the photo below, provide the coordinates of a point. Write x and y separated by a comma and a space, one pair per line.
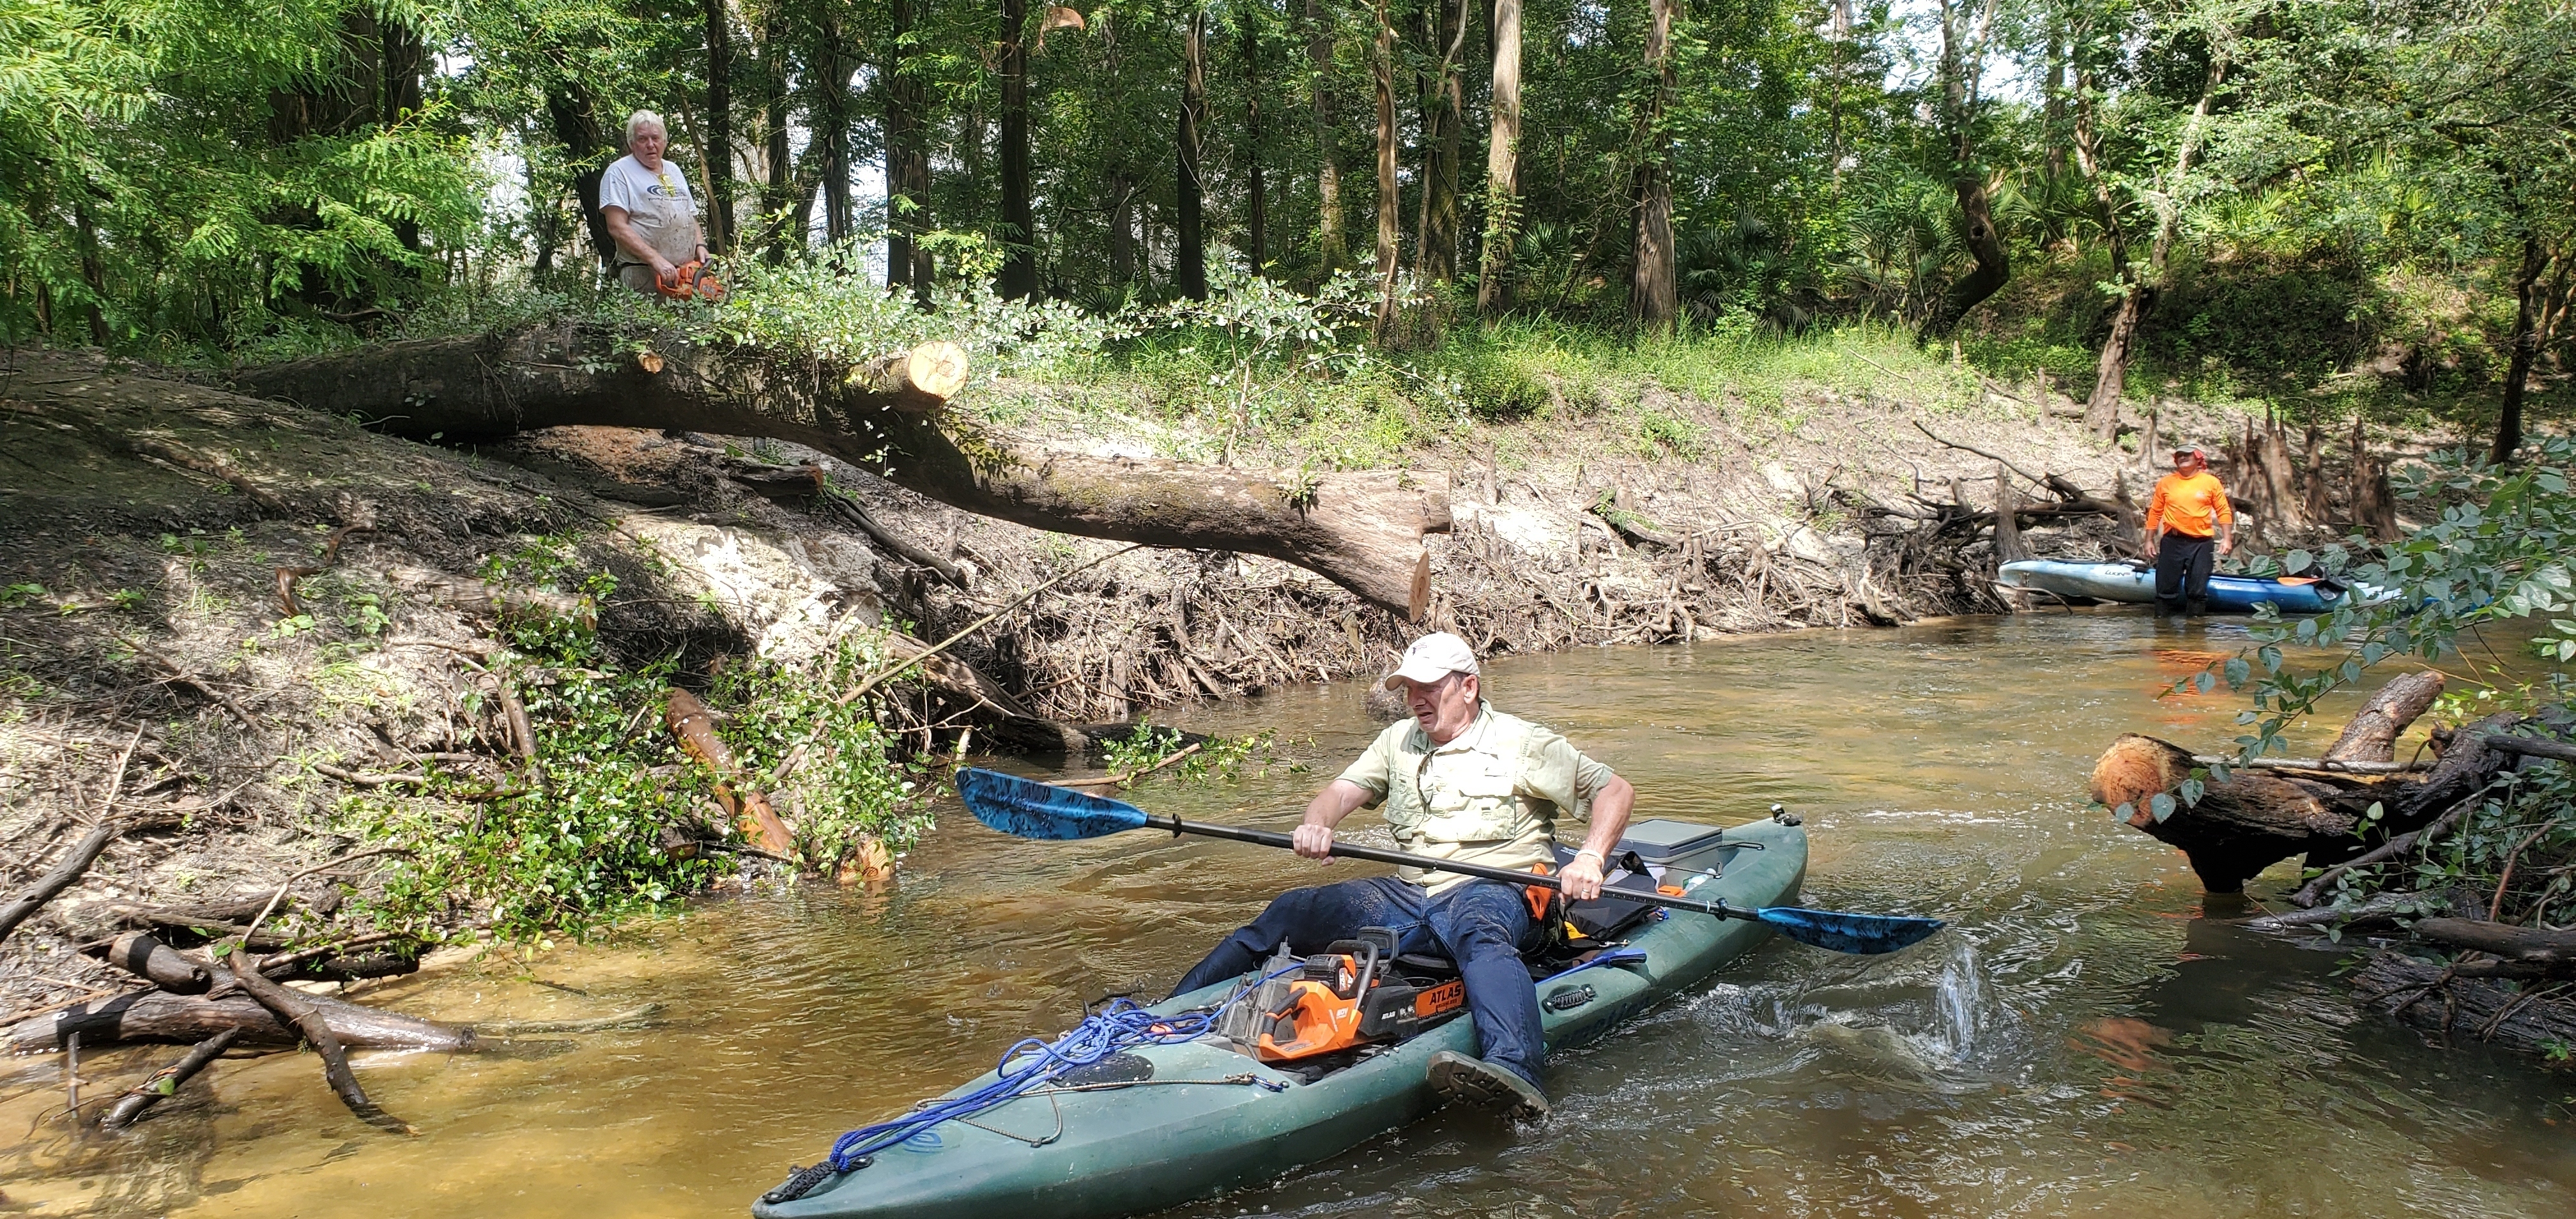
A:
1465, 782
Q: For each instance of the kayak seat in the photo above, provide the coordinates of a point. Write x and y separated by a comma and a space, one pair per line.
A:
1426, 965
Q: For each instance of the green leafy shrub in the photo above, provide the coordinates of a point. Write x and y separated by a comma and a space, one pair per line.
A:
610, 818
850, 784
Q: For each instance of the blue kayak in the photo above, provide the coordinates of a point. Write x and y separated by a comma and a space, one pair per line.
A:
2119, 581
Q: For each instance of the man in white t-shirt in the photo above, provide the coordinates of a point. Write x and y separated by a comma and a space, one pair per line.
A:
649, 209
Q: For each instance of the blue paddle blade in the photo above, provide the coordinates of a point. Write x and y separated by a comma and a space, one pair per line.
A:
1621, 956
1860, 934
1025, 808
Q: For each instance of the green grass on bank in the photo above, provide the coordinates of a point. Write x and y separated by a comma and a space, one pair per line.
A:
1201, 392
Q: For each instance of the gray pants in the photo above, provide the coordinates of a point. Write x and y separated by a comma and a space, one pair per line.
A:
636, 275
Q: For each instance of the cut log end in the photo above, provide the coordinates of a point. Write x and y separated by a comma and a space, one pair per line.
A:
921, 379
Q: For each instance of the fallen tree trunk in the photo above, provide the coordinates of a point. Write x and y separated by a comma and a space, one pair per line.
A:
151, 1016
2253, 819
159, 964
2504, 940
490, 601
1361, 530
64, 873
694, 726
2237, 829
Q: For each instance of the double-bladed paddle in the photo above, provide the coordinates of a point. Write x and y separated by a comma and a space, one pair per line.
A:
1025, 808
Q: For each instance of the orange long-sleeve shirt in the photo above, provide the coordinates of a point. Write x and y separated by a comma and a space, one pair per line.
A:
2194, 506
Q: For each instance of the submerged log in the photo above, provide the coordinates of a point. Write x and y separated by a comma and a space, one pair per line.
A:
166, 1081
151, 1016
1361, 530
2449, 1001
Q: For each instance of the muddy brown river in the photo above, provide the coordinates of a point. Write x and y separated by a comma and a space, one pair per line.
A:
2083, 1040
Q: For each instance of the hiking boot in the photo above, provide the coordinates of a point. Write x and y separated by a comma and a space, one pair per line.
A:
2197, 607
1459, 1077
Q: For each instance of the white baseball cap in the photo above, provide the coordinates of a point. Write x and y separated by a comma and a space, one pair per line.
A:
1431, 658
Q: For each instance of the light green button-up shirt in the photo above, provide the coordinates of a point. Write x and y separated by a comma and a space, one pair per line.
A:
1491, 796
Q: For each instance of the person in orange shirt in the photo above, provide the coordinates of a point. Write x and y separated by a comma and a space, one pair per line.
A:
2190, 508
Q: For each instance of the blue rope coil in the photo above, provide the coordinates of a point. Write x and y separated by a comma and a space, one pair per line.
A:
1121, 1024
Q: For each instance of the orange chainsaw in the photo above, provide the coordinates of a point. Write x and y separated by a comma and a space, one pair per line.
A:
1348, 995
691, 281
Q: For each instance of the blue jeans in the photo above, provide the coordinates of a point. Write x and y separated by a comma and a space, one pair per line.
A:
1480, 925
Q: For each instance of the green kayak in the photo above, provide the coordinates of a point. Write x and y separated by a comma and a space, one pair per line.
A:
1164, 1124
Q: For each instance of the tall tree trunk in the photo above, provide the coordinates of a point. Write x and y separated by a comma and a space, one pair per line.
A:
2053, 125
573, 112
778, 155
1389, 205
1654, 287
1502, 164
1019, 220
900, 135
1256, 212
93, 273
2111, 372
1331, 247
1838, 31
402, 64
2374, 502
2526, 346
832, 124
1444, 107
718, 149
907, 160
1122, 228
1962, 67
1189, 261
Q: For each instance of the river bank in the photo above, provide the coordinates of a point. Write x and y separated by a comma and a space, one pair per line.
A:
272, 638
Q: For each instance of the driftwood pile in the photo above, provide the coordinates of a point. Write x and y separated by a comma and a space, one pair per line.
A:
218, 974
2491, 980
228, 997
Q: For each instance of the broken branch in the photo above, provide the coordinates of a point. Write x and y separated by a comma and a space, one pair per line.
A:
293, 1011
166, 1081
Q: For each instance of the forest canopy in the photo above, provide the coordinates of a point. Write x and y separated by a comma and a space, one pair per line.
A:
2289, 193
